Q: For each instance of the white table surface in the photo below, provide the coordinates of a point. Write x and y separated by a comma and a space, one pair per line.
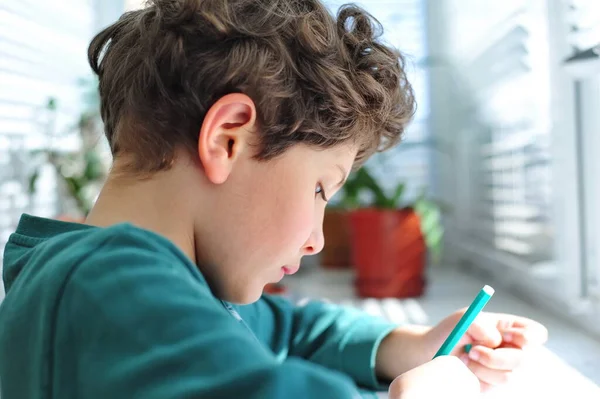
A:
542, 375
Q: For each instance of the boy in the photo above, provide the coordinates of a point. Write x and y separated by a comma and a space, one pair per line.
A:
231, 123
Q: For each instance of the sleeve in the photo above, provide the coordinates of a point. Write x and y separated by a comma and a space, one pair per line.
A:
138, 327
333, 336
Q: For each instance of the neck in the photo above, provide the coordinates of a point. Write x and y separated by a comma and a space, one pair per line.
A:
149, 204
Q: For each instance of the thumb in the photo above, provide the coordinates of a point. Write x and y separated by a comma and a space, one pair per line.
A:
485, 334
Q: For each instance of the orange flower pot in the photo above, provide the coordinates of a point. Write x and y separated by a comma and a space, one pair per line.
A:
337, 252
275, 289
389, 253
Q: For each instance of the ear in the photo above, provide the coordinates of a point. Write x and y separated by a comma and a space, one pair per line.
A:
227, 131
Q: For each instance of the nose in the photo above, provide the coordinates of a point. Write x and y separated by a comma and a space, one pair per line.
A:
315, 242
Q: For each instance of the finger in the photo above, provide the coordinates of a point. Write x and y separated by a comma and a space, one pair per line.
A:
488, 375
505, 344
498, 359
484, 386
523, 337
485, 333
506, 322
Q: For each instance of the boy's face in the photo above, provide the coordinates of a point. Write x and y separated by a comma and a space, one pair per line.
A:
264, 216
268, 216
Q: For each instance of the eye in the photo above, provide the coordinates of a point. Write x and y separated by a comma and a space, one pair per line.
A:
319, 191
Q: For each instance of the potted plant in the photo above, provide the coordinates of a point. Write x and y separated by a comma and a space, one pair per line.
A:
336, 253
390, 238
81, 168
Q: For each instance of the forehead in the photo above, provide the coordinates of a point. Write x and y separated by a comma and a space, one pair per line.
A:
305, 159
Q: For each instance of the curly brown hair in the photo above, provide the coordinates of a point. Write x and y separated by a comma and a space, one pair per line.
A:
315, 79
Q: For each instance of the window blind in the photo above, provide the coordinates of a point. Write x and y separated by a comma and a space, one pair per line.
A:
511, 171
584, 23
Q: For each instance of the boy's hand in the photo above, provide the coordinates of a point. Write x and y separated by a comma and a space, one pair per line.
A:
443, 377
499, 343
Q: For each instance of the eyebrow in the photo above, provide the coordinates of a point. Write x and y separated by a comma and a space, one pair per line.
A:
344, 177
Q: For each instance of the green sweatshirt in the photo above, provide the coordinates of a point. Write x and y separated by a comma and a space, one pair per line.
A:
120, 312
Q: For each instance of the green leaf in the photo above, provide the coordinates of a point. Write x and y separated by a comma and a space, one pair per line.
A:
395, 200
365, 178
33, 178
431, 226
94, 169
75, 185
51, 104
434, 242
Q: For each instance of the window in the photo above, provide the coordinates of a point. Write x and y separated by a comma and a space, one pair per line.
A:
584, 21
512, 187
404, 28
43, 54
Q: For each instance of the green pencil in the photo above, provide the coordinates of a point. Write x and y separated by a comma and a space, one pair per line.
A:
465, 321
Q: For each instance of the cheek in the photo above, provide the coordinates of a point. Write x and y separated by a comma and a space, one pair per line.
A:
292, 218
273, 213
297, 220
299, 225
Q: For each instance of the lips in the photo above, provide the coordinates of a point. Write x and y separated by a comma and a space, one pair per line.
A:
290, 269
